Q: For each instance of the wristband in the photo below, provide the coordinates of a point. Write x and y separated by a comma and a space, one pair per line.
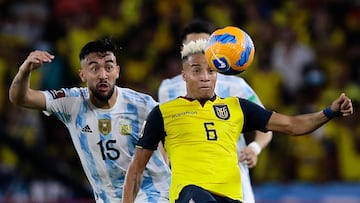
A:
330, 113
256, 147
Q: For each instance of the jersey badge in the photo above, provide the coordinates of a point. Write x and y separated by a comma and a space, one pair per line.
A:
222, 111
57, 93
125, 129
104, 126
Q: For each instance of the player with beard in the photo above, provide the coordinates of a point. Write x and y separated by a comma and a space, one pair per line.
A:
104, 121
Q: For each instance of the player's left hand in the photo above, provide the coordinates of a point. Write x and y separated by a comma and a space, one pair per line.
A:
248, 156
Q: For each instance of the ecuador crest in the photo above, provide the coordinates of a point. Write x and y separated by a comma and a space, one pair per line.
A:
222, 111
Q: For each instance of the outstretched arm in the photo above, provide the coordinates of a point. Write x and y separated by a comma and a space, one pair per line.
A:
134, 173
306, 123
20, 92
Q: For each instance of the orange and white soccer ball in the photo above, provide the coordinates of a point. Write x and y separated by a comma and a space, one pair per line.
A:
230, 50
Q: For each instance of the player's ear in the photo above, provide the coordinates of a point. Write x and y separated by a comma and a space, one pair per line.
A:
183, 75
118, 68
81, 75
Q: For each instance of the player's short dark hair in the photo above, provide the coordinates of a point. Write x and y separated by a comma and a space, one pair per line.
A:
197, 26
100, 45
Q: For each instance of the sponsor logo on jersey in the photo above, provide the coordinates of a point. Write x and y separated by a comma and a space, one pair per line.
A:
86, 129
222, 111
184, 114
104, 126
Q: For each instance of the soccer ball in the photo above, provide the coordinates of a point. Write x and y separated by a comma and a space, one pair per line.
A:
229, 50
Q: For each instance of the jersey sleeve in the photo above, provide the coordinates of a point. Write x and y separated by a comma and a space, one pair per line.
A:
54, 100
255, 116
63, 102
153, 131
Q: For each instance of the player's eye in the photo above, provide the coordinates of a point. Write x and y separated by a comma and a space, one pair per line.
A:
109, 68
94, 69
196, 70
212, 70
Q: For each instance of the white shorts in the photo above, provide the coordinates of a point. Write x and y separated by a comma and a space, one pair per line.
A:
248, 195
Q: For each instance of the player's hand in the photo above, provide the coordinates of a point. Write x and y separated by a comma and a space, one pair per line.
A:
248, 156
35, 60
343, 105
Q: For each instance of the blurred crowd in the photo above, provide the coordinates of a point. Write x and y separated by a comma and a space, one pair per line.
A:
307, 52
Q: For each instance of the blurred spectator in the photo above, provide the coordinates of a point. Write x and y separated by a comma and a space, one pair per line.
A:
346, 135
263, 73
327, 38
214, 11
308, 156
79, 19
289, 57
112, 17
25, 21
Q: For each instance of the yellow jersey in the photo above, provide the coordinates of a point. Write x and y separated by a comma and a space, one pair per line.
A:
200, 139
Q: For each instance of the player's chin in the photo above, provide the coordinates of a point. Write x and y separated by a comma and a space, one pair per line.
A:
206, 95
103, 94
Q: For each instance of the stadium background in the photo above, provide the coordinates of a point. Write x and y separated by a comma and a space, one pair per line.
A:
318, 40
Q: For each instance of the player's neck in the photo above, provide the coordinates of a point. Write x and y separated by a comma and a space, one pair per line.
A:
201, 100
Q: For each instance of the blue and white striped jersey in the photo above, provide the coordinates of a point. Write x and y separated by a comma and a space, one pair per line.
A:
226, 85
105, 141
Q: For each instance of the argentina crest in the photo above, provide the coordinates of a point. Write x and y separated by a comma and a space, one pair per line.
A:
222, 111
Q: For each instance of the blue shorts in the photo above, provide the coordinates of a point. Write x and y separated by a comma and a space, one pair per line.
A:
200, 195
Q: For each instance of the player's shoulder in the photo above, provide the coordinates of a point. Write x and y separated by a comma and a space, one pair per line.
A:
172, 81
173, 102
230, 79
238, 85
129, 94
227, 99
173, 107
171, 88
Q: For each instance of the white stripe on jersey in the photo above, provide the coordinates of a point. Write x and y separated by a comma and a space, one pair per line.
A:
226, 85
105, 141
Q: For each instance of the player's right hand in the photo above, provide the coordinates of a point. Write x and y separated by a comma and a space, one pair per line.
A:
35, 60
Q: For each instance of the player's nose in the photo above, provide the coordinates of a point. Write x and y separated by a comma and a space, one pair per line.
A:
103, 74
